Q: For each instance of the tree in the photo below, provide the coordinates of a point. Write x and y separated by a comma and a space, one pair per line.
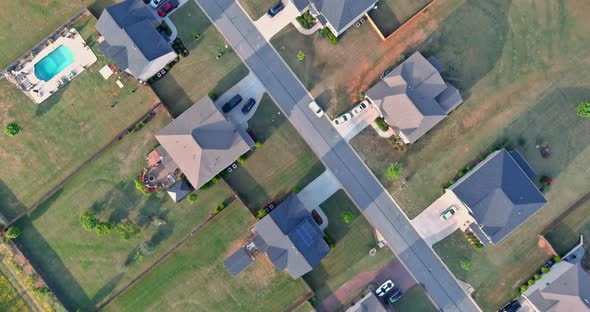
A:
393, 172
127, 230
103, 228
583, 109
146, 247
192, 198
300, 56
466, 265
12, 129
88, 221
347, 217
13, 232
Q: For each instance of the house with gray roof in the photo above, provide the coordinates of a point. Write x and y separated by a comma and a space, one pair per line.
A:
565, 288
368, 303
337, 15
413, 97
290, 237
500, 195
202, 142
130, 39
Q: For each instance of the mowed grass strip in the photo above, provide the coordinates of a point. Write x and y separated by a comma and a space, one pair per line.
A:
68, 128
257, 8
200, 73
415, 300
350, 255
10, 300
193, 278
84, 268
282, 163
25, 23
566, 234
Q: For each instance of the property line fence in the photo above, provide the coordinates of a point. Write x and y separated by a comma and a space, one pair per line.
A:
383, 38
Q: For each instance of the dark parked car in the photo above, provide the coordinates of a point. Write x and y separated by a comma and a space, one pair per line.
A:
395, 295
231, 103
276, 9
167, 7
248, 106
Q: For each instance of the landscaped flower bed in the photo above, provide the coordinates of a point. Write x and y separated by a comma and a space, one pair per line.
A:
306, 20
537, 276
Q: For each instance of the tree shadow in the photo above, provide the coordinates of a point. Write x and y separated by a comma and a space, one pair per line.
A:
385, 18
10, 206
50, 102
42, 209
108, 288
163, 233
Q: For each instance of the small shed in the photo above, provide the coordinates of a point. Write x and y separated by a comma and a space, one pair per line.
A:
238, 261
179, 191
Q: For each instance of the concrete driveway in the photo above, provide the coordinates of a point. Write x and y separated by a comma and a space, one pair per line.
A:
317, 192
270, 26
432, 228
249, 87
355, 125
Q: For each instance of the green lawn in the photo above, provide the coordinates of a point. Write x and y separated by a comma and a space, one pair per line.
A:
83, 268
193, 278
200, 73
566, 234
283, 162
10, 300
257, 8
350, 256
521, 78
415, 300
65, 130
25, 23
391, 14
336, 74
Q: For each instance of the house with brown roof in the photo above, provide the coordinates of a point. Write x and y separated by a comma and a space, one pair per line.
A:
413, 97
202, 142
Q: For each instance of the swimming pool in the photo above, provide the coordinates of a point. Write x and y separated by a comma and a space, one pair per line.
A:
54, 63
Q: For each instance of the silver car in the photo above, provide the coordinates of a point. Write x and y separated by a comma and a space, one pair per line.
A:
448, 213
343, 118
359, 108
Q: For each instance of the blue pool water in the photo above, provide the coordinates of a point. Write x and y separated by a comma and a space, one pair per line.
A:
54, 63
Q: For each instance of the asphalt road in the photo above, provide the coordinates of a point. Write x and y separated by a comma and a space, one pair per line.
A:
357, 180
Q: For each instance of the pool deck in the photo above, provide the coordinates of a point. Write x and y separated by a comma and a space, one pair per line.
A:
39, 90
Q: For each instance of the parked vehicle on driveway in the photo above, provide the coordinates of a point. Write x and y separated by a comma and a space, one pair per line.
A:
156, 3
318, 111
248, 106
276, 9
384, 288
396, 294
359, 108
343, 118
448, 213
167, 7
231, 103
385, 73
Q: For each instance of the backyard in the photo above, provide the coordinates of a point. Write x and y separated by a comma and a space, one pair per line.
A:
26, 23
391, 14
336, 74
282, 163
65, 130
521, 78
190, 279
200, 73
566, 234
350, 255
415, 300
84, 268
257, 8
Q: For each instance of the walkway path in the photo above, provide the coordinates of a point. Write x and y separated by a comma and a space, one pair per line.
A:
304, 31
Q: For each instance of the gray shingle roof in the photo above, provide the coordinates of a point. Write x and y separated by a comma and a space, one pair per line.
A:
238, 261
130, 38
179, 191
369, 303
340, 13
499, 194
202, 142
413, 97
292, 240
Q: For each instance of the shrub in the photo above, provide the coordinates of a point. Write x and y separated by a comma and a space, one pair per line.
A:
517, 294
146, 247
296, 189
241, 160
557, 258
300, 56
362, 96
12, 129
347, 217
137, 258
537, 277
544, 270
333, 39
523, 288
103, 228
127, 230
381, 124
219, 208
401, 58
530, 282
13, 232
261, 214
521, 141
196, 35
583, 109
192, 198
141, 187
213, 95
258, 144
466, 265
329, 240
393, 172
478, 245
88, 221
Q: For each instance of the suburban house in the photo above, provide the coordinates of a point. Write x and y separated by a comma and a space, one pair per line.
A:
368, 302
500, 195
201, 142
130, 39
413, 97
565, 288
289, 236
337, 15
